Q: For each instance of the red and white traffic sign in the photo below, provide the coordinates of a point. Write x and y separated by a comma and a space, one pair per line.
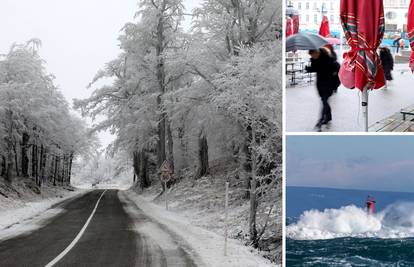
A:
166, 170
165, 167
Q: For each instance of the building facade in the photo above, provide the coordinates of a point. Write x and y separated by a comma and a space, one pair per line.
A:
311, 13
396, 12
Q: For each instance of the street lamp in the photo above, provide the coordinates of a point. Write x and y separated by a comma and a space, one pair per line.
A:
324, 10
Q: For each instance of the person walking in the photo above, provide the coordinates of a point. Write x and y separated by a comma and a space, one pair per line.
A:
396, 41
387, 61
402, 45
327, 80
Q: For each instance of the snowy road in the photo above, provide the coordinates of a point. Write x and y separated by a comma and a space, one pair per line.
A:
109, 239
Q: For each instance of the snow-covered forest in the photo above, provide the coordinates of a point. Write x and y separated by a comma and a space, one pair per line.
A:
39, 135
208, 100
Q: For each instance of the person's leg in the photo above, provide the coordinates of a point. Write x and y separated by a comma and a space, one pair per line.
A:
322, 116
327, 110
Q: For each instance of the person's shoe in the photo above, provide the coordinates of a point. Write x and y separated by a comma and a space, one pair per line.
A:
319, 125
326, 121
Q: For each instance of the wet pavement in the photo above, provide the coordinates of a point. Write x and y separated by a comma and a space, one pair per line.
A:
303, 104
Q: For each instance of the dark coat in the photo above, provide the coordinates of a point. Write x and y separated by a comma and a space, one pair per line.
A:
387, 62
326, 68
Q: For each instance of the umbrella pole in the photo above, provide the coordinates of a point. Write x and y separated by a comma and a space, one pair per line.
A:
364, 104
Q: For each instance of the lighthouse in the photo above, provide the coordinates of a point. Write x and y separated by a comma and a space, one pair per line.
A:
370, 205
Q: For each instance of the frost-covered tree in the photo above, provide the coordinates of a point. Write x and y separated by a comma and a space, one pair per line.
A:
205, 100
246, 92
143, 73
39, 135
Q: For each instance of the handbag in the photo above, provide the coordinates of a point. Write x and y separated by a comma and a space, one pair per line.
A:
347, 72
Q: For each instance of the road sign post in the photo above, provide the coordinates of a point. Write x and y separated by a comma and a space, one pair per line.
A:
166, 172
166, 195
226, 206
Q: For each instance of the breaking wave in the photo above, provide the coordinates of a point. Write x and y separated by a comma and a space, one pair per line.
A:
395, 221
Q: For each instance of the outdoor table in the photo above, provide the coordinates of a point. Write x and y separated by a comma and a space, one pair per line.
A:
407, 111
293, 71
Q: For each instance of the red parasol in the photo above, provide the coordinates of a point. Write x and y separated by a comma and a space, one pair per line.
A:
289, 27
363, 24
295, 23
324, 29
410, 28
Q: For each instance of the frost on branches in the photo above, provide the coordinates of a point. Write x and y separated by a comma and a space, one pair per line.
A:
208, 100
39, 137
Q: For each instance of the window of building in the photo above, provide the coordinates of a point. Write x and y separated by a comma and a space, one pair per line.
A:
391, 15
307, 18
332, 19
307, 5
300, 5
315, 19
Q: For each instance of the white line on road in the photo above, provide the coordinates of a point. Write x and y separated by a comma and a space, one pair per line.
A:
73, 243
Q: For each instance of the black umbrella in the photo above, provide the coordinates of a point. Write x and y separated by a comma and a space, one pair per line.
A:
304, 41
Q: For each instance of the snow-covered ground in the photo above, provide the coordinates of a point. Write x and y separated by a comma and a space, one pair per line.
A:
207, 245
303, 104
23, 209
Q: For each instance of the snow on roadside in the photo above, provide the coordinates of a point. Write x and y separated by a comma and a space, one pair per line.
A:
25, 211
208, 245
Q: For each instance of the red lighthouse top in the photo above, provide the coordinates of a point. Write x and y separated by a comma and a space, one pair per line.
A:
370, 205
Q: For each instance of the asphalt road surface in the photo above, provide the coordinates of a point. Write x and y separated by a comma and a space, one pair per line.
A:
93, 230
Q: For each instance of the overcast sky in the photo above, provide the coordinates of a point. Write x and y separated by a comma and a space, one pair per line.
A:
354, 162
78, 36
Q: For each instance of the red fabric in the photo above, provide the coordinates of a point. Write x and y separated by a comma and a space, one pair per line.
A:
289, 27
363, 24
347, 74
410, 29
324, 29
295, 23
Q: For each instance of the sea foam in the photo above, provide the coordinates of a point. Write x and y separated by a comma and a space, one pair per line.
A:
395, 221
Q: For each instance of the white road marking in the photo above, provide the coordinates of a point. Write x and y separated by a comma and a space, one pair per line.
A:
73, 243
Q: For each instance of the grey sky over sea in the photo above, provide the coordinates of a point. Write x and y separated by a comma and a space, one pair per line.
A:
351, 162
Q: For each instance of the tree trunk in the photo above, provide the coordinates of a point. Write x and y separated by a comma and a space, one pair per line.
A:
183, 146
62, 178
247, 162
55, 171
144, 177
161, 137
16, 160
9, 146
70, 168
43, 158
170, 146
9, 169
25, 158
41, 165
135, 163
35, 163
3, 166
202, 156
160, 73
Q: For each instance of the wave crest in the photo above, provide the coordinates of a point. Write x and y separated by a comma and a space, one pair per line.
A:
395, 221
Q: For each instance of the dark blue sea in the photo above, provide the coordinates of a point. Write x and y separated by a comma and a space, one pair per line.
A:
353, 238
